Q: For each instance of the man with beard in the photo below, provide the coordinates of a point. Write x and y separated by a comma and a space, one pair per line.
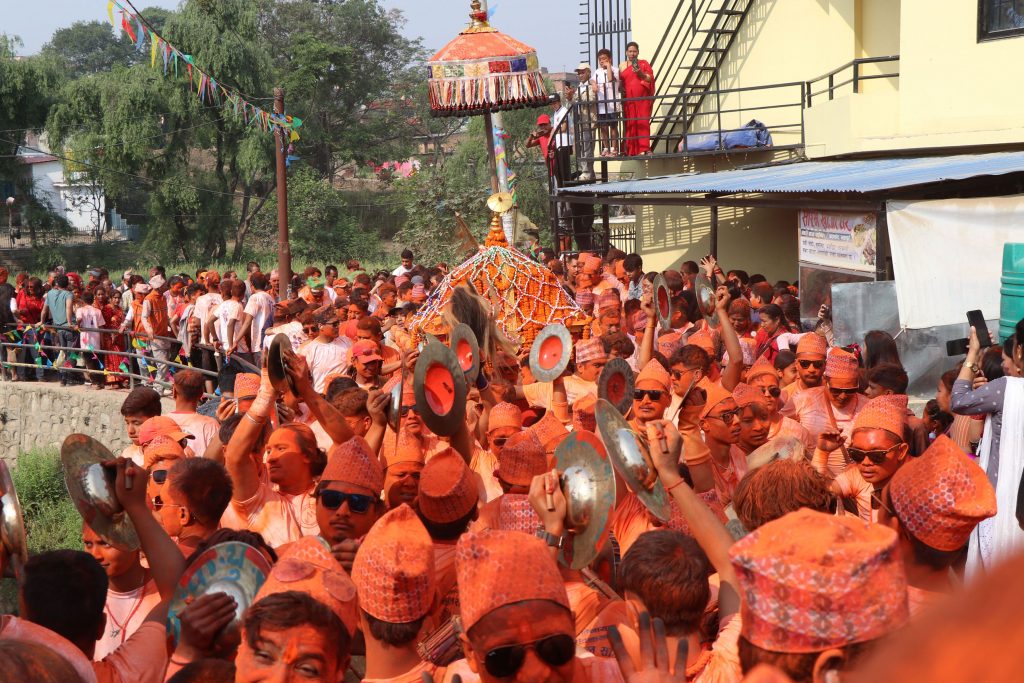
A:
810, 365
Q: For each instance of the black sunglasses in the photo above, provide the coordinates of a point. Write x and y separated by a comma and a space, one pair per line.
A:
726, 417
818, 364
845, 392
774, 392
499, 441
654, 394
877, 457
357, 502
158, 476
678, 374
556, 650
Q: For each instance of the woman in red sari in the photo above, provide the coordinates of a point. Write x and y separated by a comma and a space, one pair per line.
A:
108, 303
637, 81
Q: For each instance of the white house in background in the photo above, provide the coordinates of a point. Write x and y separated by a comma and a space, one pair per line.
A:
81, 203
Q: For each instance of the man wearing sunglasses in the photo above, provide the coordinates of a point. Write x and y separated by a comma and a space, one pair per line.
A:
763, 376
348, 497
720, 422
834, 405
517, 625
876, 449
192, 501
810, 365
651, 395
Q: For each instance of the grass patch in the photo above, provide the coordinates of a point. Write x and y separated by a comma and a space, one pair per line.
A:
51, 520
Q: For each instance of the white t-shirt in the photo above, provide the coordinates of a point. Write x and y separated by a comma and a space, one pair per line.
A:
226, 312
323, 360
401, 270
261, 307
91, 317
292, 330
203, 428
607, 91
125, 613
205, 304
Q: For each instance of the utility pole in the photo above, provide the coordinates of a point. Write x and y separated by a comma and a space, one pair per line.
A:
284, 251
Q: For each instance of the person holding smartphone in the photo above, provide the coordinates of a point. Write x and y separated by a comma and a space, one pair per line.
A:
605, 85
637, 103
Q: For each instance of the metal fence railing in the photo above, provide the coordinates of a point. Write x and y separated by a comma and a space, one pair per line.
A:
37, 349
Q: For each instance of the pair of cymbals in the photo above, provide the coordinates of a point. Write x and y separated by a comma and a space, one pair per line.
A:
233, 568
630, 457
91, 487
13, 544
440, 388
588, 484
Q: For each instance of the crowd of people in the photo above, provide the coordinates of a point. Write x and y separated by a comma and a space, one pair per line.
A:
868, 533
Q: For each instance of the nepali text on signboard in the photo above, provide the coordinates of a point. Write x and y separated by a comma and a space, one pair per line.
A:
838, 240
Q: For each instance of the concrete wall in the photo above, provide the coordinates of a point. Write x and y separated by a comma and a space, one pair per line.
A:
43, 414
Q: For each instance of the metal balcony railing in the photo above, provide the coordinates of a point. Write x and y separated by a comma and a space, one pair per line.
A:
828, 84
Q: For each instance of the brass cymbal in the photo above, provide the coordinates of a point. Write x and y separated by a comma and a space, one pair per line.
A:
91, 487
628, 456
588, 483
499, 202
13, 547
280, 347
782, 447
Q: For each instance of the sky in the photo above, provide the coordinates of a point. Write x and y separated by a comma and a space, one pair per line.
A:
550, 26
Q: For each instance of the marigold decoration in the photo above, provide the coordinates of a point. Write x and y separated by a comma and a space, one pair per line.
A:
484, 70
524, 295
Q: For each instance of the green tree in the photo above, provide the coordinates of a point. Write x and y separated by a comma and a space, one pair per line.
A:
89, 47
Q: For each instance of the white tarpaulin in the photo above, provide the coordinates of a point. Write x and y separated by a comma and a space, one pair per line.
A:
947, 256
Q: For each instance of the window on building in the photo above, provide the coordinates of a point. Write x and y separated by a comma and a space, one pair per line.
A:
1000, 19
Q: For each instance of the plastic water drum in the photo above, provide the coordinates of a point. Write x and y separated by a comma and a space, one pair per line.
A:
1011, 290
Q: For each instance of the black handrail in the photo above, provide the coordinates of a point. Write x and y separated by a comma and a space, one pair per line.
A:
854, 79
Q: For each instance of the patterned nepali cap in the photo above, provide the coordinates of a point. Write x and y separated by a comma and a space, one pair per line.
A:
590, 350
669, 343
521, 459
161, 448
584, 297
246, 384
447, 490
761, 367
638, 319
408, 449
886, 412
654, 371
811, 345
749, 348
584, 416
354, 463
505, 415
549, 430
394, 568
609, 300
590, 264
941, 496
842, 368
745, 395
516, 514
490, 566
703, 340
811, 581
307, 566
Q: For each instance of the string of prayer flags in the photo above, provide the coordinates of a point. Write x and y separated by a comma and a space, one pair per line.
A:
208, 90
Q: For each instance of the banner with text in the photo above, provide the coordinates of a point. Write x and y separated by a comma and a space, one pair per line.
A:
838, 240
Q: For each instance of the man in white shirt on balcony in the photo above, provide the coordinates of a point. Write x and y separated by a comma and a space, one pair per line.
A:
606, 86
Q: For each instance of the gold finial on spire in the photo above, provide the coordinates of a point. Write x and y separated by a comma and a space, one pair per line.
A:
478, 19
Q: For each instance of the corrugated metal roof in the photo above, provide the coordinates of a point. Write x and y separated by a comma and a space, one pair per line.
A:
803, 177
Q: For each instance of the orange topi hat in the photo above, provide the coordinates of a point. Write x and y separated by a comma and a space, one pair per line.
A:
354, 463
608, 300
516, 514
490, 566
161, 425
811, 345
246, 384
447, 490
745, 395
842, 369
505, 415
716, 394
590, 349
638, 319
655, 372
521, 459
813, 581
703, 340
394, 568
549, 430
161, 448
409, 449
307, 566
886, 412
590, 265
583, 413
940, 496
761, 367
